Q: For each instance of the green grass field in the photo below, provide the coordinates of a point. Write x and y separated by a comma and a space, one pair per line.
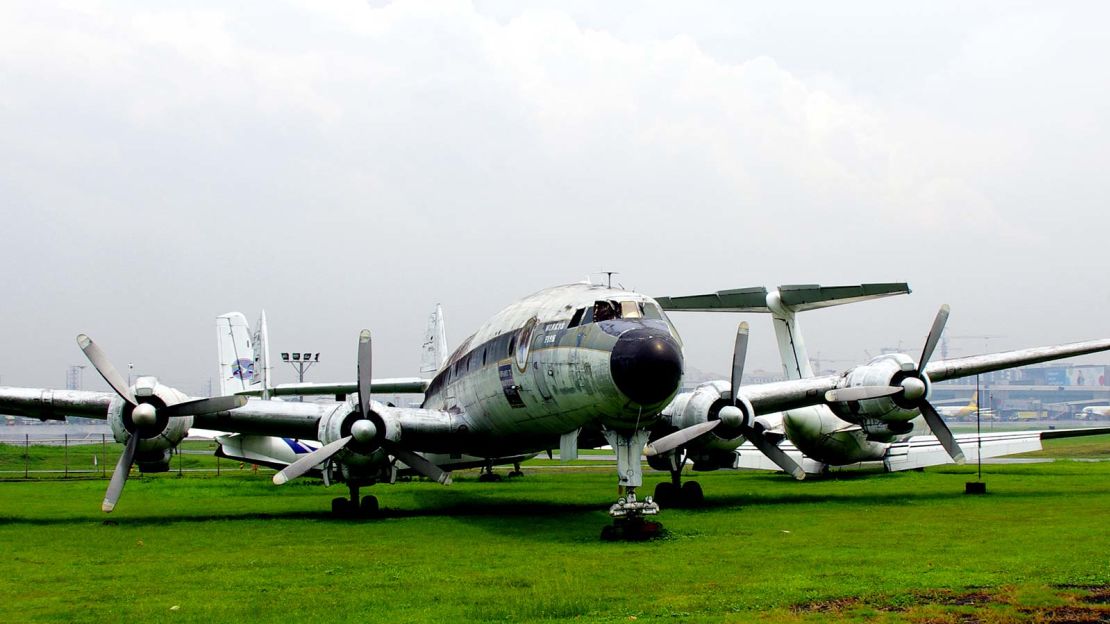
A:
907, 547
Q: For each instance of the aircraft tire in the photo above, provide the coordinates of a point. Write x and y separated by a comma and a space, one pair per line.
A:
340, 506
691, 494
369, 506
666, 494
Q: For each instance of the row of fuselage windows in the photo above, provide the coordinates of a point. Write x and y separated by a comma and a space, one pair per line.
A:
503, 346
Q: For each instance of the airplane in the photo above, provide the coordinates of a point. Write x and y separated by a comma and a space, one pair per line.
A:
1096, 411
571, 360
964, 411
848, 428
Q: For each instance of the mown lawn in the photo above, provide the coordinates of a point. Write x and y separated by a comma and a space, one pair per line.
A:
906, 547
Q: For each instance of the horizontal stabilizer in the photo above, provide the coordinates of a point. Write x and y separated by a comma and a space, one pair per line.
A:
797, 297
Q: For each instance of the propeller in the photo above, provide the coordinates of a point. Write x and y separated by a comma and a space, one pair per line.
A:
732, 416
932, 418
363, 431
144, 416
912, 389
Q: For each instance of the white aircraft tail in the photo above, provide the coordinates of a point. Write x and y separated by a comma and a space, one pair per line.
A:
783, 303
244, 357
434, 351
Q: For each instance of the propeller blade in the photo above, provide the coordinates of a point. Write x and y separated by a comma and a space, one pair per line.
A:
739, 355
860, 393
678, 438
419, 464
204, 406
103, 366
119, 475
310, 461
942, 432
364, 360
934, 336
775, 454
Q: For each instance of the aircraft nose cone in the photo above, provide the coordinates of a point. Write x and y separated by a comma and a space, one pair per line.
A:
646, 365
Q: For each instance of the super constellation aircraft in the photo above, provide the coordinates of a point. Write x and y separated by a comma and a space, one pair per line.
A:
848, 428
567, 360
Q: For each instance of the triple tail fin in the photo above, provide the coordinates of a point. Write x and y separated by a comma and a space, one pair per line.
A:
434, 350
244, 356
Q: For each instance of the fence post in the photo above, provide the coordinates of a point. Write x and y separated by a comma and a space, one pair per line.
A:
26, 455
65, 443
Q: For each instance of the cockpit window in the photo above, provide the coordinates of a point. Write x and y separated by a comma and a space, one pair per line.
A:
651, 311
605, 311
577, 318
630, 310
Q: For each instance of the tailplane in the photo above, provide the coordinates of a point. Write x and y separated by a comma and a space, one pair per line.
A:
783, 303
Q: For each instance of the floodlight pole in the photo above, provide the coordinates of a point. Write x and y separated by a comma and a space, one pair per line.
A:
301, 362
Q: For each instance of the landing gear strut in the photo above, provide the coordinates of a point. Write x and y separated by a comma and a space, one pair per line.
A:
516, 472
353, 507
675, 493
628, 513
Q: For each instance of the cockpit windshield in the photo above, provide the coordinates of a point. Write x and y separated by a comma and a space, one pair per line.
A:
607, 310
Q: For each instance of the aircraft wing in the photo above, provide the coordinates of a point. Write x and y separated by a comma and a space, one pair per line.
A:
976, 364
46, 404
925, 450
398, 385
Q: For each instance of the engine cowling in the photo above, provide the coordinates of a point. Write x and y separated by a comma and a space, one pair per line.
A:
701, 405
893, 370
158, 438
361, 460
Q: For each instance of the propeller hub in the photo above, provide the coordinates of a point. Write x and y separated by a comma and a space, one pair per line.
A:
913, 388
731, 416
144, 415
363, 431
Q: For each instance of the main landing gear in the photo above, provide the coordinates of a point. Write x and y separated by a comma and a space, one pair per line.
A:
630, 514
488, 475
354, 508
675, 493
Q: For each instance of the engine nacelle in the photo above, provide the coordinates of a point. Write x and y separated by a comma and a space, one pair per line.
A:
894, 369
363, 461
702, 405
156, 441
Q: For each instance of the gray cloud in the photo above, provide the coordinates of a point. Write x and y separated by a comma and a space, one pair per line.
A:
349, 165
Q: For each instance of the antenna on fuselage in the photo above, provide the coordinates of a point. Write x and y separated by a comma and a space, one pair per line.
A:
609, 275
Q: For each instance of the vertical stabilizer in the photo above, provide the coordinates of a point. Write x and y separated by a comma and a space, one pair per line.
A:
434, 351
261, 340
792, 348
236, 356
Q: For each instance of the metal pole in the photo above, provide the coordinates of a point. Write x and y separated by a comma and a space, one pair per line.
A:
978, 430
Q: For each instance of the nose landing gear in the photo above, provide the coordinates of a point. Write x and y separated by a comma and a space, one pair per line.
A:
628, 513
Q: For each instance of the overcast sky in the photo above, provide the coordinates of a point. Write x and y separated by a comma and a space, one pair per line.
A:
350, 164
